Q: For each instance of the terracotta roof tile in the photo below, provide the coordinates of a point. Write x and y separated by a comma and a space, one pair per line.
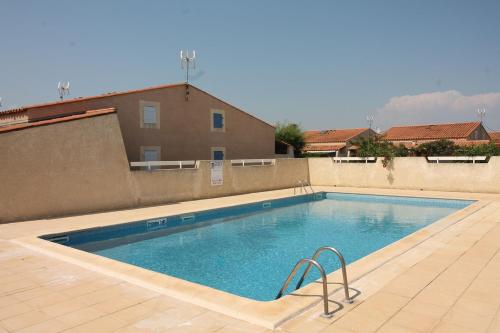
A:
333, 135
325, 148
84, 114
431, 132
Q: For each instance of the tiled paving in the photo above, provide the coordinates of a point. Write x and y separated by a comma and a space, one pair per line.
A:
447, 283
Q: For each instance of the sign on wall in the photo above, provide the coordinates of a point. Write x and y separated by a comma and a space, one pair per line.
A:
216, 174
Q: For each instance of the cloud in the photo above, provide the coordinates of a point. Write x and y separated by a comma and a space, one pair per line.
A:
439, 107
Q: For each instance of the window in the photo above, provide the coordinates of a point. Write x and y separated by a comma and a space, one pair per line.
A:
151, 153
149, 114
217, 121
218, 153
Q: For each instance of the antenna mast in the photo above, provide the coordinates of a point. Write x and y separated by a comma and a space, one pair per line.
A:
481, 113
187, 62
63, 89
370, 119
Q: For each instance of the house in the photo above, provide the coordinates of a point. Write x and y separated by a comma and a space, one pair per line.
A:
335, 142
168, 122
283, 149
470, 133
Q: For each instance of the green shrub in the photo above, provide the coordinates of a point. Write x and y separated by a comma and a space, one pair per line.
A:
291, 134
448, 148
487, 149
436, 148
374, 147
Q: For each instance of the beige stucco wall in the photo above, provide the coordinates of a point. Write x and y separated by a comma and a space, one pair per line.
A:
185, 131
65, 168
80, 166
178, 185
409, 173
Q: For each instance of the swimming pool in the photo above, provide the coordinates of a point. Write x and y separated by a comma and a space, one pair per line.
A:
249, 250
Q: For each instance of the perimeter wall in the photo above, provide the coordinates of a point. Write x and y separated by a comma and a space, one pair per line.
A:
409, 173
80, 167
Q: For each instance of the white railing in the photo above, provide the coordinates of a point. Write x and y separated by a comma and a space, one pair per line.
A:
457, 159
253, 162
354, 159
153, 165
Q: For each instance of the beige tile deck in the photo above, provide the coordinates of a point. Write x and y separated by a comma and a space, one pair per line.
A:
444, 278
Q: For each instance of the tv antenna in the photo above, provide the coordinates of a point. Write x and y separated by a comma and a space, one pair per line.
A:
481, 113
370, 119
63, 89
187, 62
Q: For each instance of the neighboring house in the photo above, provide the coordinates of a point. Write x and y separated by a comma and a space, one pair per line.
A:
168, 122
470, 133
495, 137
335, 142
283, 149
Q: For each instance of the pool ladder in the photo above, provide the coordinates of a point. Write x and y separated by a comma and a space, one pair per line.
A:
302, 185
313, 262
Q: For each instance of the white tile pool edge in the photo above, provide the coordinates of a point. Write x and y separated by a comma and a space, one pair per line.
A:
267, 314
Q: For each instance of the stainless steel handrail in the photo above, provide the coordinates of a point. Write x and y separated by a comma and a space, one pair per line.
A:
306, 183
326, 313
342, 263
302, 185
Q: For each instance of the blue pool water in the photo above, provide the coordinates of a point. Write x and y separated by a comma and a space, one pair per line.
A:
250, 250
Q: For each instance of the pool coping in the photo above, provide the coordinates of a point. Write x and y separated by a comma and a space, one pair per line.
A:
268, 314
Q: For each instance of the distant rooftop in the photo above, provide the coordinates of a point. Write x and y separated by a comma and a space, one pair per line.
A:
333, 135
431, 132
323, 148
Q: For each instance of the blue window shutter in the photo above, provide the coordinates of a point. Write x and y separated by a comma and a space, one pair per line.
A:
218, 120
218, 155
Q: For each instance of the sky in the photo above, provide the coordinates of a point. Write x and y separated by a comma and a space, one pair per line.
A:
321, 64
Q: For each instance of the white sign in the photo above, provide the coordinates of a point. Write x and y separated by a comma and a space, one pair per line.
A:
217, 177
